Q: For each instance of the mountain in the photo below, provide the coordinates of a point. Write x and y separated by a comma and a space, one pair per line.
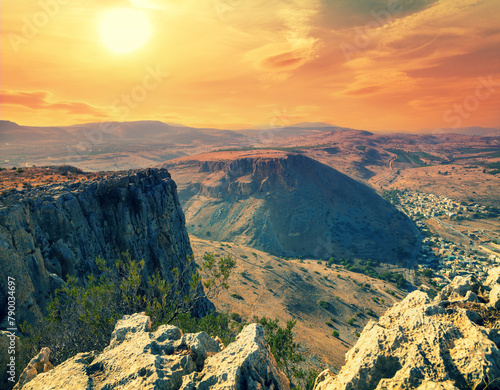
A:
288, 204
310, 125
50, 232
475, 130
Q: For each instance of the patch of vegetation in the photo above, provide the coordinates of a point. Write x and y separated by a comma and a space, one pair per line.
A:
336, 334
82, 314
237, 296
366, 267
324, 304
392, 196
286, 352
65, 169
361, 147
495, 168
350, 321
268, 266
401, 155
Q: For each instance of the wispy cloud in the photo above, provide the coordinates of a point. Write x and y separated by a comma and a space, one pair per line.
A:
40, 100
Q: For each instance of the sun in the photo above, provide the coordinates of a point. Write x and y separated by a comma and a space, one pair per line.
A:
124, 30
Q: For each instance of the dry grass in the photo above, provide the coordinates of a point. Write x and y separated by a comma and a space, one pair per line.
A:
24, 178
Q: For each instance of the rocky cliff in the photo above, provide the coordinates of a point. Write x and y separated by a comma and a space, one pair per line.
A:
137, 358
50, 232
449, 343
288, 204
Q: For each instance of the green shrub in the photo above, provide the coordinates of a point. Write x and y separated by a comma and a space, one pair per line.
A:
65, 169
82, 314
350, 321
323, 304
237, 296
335, 334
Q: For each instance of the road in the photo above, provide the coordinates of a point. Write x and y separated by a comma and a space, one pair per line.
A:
390, 175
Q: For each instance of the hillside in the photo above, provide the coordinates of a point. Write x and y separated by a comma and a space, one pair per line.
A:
293, 289
288, 204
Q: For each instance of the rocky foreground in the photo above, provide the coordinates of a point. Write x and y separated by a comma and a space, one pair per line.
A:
137, 358
447, 343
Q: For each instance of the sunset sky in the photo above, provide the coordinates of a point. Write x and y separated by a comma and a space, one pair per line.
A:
366, 64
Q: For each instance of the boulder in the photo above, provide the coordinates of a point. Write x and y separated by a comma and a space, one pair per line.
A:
458, 288
39, 364
245, 364
166, 359
493, 277
495, 297
422, 344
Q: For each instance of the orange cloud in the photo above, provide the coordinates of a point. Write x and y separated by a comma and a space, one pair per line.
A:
40, 100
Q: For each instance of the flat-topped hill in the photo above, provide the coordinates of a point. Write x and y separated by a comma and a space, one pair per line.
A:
288, 204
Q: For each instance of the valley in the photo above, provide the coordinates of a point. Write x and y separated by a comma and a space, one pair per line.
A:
320, 297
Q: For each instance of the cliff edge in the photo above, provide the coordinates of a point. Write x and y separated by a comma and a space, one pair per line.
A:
52, 231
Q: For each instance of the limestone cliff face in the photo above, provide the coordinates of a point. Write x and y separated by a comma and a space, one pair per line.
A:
450, 343
58, 230
137, 358
289, 204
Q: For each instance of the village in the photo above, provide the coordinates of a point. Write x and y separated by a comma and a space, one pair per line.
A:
465, 250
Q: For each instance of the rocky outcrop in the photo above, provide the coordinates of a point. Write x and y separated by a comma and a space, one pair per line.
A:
448, 343
50, 232
288, 204
244, 364
39, 364
137, 358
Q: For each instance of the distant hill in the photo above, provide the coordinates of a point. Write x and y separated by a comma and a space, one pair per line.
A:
481, 131
288, 204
